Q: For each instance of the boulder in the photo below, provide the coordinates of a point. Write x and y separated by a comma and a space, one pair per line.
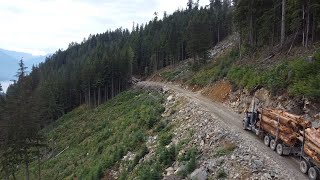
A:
199, 174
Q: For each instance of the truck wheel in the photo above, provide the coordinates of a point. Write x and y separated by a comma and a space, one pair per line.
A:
280, 149
312, 173
273, 144
244, 124
304, 166
266, 140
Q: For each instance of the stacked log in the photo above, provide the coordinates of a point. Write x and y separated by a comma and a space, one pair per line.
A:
312, 143
283, 125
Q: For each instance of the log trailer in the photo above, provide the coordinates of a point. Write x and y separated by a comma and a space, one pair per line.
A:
287, 134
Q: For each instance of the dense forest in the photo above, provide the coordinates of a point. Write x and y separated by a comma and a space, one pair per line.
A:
102, 66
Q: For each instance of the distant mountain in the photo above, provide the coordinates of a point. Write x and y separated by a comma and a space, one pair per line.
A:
8, 67
9, 62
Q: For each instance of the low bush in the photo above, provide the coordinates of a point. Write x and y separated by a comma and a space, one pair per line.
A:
222, 174
190, 160
299, 77
226, 149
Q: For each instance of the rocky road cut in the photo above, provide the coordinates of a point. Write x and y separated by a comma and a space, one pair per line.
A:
233, 121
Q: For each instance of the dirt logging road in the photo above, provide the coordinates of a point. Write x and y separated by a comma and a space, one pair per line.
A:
233, 121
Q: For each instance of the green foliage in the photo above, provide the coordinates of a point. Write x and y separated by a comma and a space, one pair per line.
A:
305, 78
165, 139
227, 149
221, 174
99, 138
170, 75
193, 152
299, 77
167, 155
190, 160
150, 171
164, 158
213, 72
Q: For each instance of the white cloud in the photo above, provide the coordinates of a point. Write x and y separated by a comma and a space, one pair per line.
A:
38, 26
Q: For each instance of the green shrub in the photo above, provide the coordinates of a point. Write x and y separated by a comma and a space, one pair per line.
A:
99, 138
227, 149
305, 78
221, 174
213, 72
150, 171
170, 75
167, 155
193, 152
165, 139
190, 160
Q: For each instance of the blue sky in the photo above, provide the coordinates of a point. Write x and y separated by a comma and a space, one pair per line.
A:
43, 26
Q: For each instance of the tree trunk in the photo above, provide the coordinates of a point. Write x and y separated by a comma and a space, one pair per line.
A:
89, 96
85, 98
274, 24
251, 30
99, 96
240, 42
308, 24
313, 26
39, 165
13, 176
119, 89
94, 98
107, 89
303, 25
27, 167
218, 32
112, 87
105, 93
80, 98
6, 173
283, 22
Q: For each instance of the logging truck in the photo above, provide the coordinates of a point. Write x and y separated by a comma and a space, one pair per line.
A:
287, 134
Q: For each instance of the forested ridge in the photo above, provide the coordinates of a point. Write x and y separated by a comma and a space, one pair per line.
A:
102, 66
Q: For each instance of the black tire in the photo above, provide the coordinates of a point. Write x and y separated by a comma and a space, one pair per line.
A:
273, 144
279, 149
266, 140
244, 125
313, 173
304, 166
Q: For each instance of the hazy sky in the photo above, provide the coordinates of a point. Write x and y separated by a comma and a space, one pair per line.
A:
43, 26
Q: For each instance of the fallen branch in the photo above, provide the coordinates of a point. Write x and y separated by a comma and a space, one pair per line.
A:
62, 151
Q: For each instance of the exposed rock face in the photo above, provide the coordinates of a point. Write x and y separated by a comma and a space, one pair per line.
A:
199, 174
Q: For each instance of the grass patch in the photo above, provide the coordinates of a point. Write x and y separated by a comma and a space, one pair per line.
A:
170, 75
226, 149
215, 71
165, 139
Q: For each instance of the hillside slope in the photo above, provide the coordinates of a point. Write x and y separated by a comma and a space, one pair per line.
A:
280, 80
86, 142
140, 134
